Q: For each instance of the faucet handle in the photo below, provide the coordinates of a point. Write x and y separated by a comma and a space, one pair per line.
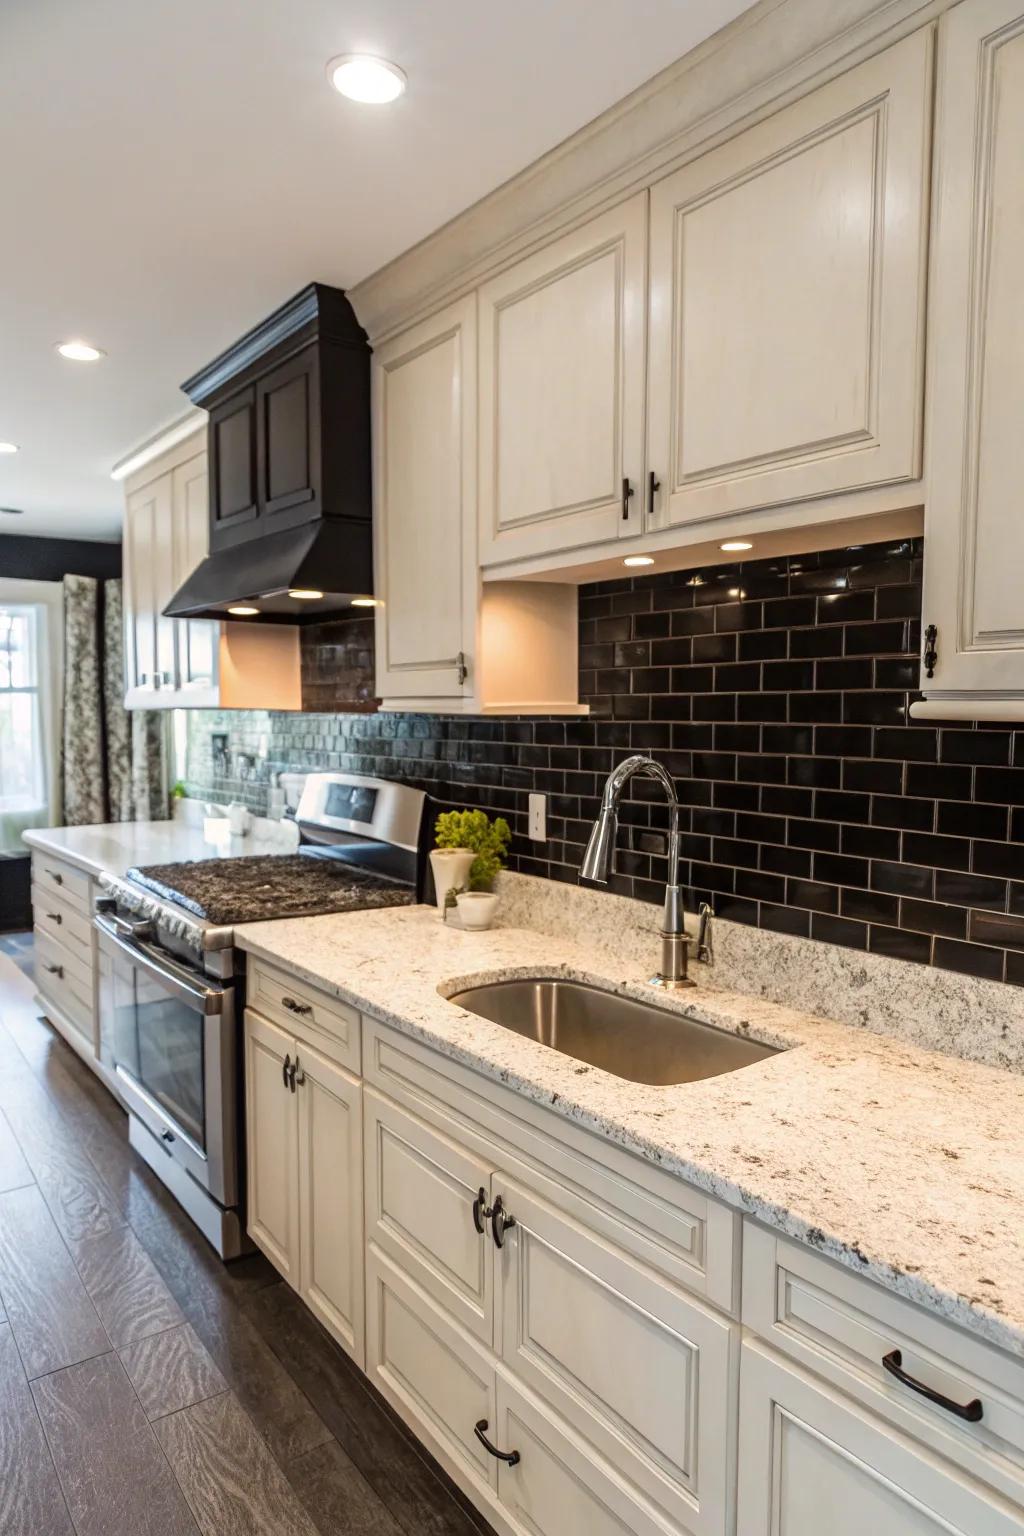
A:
705, 912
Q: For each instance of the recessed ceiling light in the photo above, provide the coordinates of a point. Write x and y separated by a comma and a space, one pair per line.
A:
8, 447
732, 545
242, 610
12, 511
366, 602
80, 351
638, 560
374, 82
304, 594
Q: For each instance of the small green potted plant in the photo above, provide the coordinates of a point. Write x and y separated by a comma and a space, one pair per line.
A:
469, 851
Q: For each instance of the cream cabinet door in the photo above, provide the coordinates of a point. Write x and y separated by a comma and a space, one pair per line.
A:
562, 391
974, 547
786, 302
196, 639
424, 444
425, 1211
640, 1370
272, 1145
149, 637
331, 1197
810, 1461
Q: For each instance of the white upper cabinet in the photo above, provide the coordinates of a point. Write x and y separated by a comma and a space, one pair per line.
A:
424, 429
974, 546
190, 533
786, 300
562, 391
150, 661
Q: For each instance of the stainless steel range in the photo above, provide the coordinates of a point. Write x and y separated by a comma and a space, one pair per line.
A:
171, 993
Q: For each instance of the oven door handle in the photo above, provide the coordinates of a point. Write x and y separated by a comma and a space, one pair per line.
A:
176, 978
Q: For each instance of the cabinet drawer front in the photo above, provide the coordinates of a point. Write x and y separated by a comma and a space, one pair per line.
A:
635, 1366
664, 1221
420, 1188
811, 1461
328, 1024
842, 1326
54, 877
64, 979
53, 915
559, 1487
438, 1379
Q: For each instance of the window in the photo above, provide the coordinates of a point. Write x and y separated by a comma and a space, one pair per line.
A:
23, 778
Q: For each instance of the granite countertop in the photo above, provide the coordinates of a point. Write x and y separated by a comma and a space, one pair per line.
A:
115, 847
260, 886
904, 1165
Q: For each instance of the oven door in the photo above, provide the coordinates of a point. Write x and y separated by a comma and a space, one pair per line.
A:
169, 1036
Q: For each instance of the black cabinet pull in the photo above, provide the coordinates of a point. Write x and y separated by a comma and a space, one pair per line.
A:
501, 1221
55, 917
627, 492
294, 1007
57, 879
653, 486
893, 1363
55, 970
931, 650
512, 1457
286, 1068
481, 1211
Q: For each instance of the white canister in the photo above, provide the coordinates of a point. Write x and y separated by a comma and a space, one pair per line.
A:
450, 868
239, 819
476, 908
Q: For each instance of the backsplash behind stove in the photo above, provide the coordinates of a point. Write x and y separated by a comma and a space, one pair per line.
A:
776, 693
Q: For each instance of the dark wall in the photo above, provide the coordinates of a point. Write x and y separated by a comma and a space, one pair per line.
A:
34, 559
776, 693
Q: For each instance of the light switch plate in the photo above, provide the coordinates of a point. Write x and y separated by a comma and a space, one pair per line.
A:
539, 818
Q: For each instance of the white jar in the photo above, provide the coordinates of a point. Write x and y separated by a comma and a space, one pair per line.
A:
450, 868
476, 908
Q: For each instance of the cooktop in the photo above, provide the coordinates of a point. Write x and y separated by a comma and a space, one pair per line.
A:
258, 887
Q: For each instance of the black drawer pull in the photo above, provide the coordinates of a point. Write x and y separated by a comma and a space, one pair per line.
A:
501, 1221
55, 917
627, 495
893, 1363
55, 970
512, 1457
294, 1007
481, 1211
286, 1067
55, 877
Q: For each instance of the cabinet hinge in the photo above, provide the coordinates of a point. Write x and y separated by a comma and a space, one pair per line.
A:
931, 655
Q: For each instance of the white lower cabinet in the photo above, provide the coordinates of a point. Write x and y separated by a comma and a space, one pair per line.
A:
304, 1146
811, 1461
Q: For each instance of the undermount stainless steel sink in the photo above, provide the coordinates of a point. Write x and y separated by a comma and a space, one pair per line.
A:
631, 1039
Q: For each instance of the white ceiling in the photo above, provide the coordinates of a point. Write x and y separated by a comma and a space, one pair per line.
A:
174, 169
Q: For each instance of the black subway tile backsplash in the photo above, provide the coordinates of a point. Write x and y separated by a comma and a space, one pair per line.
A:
776, 692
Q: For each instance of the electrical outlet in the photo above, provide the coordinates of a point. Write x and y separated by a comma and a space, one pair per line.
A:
539, 818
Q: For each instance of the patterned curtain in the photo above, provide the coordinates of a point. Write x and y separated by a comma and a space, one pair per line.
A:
115, 763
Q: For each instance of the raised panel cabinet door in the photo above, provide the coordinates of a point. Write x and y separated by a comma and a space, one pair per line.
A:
562, 337
812, 1461
786, 300
331, 1197
974, 550
196, 638
233, 479
272, 1145
639, 1369
288, 441
424, 486
425, 1210
147, 526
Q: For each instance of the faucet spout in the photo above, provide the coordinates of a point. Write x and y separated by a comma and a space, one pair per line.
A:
598, 861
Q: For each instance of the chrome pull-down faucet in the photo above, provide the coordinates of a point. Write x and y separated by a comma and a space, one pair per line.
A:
599, 858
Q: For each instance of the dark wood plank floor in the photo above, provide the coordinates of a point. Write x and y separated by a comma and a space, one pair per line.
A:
145, 1387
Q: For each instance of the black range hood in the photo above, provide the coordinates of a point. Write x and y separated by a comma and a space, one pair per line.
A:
289, 469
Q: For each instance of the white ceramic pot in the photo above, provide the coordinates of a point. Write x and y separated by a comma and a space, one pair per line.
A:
450, 868
476, 908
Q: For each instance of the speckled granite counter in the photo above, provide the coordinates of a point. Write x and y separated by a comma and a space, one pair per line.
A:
114, 847
904, 1165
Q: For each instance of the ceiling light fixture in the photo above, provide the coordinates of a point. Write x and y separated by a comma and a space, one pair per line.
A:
366, 602
80, 351
735, 545
242, 610
304, 594
373, 82
638, 560
8, 447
